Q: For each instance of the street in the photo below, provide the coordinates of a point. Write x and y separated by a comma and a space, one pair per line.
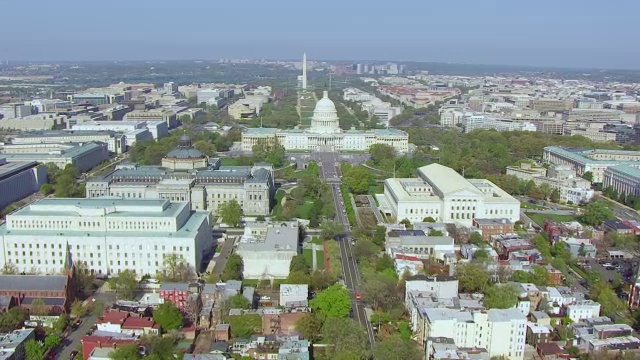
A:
223, 255
350, 268
72, 341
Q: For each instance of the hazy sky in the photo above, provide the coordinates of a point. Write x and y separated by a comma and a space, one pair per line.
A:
566, 33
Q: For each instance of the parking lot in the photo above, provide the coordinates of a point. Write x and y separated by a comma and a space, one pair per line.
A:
623, 270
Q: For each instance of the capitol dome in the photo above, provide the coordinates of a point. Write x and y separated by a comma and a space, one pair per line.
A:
325, 117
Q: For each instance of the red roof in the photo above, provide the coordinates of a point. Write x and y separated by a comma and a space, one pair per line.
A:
407, 257
113, 317
139, 323
91, 342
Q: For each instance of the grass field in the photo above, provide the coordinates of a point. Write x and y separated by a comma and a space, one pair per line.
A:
308, 257
305, 209
278, 202
228, 161
539, 218
316, 240
376, 189
307, 104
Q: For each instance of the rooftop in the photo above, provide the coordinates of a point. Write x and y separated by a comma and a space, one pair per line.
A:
33, 282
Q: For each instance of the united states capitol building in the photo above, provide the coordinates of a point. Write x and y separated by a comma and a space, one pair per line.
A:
325, 134
186, 174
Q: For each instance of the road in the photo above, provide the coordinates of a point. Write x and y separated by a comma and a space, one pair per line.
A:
350, 268
223, 255
375, 210
72, 341
621, 211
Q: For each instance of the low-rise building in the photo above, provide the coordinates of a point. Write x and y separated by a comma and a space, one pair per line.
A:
294, 296
585, 309
526, 171
267, 249
416, 242
12, 344
491, 227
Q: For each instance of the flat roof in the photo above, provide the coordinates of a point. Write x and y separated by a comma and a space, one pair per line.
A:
11, 168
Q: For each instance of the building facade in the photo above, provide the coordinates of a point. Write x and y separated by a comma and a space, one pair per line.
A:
83, 156
19, 180
444, 195
108, 235
325, 134
595, 161
188, 175
116, 143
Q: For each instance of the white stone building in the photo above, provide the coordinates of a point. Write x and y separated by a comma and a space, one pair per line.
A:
501, 332
595, 161
325, 134
443, 194
188, 175
585, 309
294, 295
116, 143
267, 249
108, 235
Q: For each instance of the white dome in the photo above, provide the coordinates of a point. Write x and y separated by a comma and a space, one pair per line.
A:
325, 104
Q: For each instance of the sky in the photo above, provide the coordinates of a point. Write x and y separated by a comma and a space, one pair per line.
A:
558, 33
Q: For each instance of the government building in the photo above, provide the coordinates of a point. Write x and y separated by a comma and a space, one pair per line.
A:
109, 235
188, 175
325, 134
441, 193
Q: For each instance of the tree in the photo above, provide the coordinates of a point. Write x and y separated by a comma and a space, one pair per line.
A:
84, 278
429, 219
78, 309
588, 175
501, 296
309, 326
175, 269
321, 280
476, 239
434, 232
472, 277
407, 224
330, 229
168, 316
38, 307
124, 284
238, 302
13, 319
481, 255
332, 302
233, 268
396, 348
365, 249
10, 268
380, 236
596, 212
269, 150
205, 147
230, 213
47, 189
357, 178
299, 264
243, 326
381, 152
379, 290
581, 250
34, 350
349, 339
61, 324
51, 341
538, 275
125, 352
555, 196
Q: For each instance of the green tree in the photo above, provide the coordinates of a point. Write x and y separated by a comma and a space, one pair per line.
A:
538, 275
309, 326
379, 290
238, 302
205, 147
299, 264
321, 280
330, 229
349, 339
168, 316
555, 196
233, 268
501, 297
84, 278
396, 348
332, 302
365, 249
429, 219
596, 212
61, 324
581, 251
481, 255
125, 352
243, 326
34, 350
476, 239
588, 175
175, 269
269, 150
230, 213
407, 224
357, 178
124, 284
380, 236
78, 309
381, 152
472, 277
38, 307
51, 341
47, 189
10, 268
12, 319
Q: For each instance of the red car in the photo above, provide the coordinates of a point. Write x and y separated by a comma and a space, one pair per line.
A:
358, 296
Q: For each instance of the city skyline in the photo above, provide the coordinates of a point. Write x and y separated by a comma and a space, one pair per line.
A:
496, 33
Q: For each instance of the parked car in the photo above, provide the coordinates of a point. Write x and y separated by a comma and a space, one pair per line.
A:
358, 296
76, 324
73, 354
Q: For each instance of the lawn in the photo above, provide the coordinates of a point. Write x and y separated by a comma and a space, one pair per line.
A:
308, 257
304, 209
317, 240
228, 161
539, 218
376, 189
278, 202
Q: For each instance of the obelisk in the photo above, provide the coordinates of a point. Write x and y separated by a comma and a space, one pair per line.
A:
304, 71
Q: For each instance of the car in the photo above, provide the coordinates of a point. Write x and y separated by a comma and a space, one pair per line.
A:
76, 324
73, 354
358, 296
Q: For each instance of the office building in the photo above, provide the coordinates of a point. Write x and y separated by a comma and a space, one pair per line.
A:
19, 180
116, 143
501, 332
83, 156
595, 161
188, 175
14, 110
444, 195
267, 249
108, 235
325, 134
